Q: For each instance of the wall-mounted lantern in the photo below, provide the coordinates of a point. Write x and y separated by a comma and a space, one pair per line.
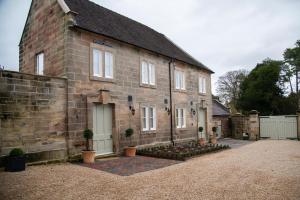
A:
167, 109
131, 107
193, 111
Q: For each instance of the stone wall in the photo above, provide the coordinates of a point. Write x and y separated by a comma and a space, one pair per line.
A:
32, 115
224, 121
127, 82
241, 124
43, 32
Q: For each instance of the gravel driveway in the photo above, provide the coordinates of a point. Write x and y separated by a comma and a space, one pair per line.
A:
265, 169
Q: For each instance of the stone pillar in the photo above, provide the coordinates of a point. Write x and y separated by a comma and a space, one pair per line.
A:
253, 125
298, 124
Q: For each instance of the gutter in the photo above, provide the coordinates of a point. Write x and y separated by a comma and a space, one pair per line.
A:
171, 103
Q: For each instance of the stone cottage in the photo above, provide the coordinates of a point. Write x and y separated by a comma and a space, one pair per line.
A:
84, 66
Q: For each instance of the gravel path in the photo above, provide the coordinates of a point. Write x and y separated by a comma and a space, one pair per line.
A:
261, 170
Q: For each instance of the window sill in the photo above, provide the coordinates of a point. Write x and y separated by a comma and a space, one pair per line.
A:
148, 132
102, 79
202, 94
148, 86
180, 91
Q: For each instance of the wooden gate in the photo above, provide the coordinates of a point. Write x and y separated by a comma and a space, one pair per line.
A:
278, 127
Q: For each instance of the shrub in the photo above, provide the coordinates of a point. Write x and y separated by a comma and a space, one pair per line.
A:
16, 152
129, 132
214, 129
87, 134
200, 129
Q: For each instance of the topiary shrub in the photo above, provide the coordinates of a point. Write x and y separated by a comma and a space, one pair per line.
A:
88, 135
16, 152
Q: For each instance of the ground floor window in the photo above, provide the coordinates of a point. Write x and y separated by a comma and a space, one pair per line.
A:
148, 118
180, 118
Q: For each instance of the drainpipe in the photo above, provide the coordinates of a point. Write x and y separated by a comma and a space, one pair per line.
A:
67, 118
171, 104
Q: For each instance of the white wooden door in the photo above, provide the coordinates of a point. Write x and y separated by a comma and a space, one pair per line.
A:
102, 127
278, 127
219, 131
202, 123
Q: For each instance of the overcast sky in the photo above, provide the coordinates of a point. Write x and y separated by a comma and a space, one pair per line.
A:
223, 35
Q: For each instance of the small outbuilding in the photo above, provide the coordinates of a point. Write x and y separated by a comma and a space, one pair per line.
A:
221, 119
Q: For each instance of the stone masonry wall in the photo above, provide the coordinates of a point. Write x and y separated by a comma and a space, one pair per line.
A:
245, 124
43, 32
127, 82
32, 115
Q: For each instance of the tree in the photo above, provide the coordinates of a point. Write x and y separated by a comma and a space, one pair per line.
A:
261, 89
228, 87
292, 60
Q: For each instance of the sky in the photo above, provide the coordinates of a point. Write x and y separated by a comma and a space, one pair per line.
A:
223, 35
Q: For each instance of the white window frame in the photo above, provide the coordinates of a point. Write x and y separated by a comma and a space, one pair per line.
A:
180, 117
179, 80
109, 64
202, 85
146, 118
105, 63
40, 63
100, 63
148, 76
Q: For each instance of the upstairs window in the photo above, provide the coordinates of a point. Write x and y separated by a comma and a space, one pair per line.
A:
180, 118
179, 80
202, 85
148, 118
100, 59
148, 73
109, 63
40, 64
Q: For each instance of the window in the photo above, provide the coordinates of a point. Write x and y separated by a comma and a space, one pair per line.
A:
108, 65
202, 85
148, 73
179, 80
98, 61
180, 118
148, 118
40, 64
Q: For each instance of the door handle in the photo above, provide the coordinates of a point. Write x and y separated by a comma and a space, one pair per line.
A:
110, 136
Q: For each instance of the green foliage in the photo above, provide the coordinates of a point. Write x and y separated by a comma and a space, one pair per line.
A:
88, 134
214, 129
129, 132
292, 55
200, 129
16, 152
260, 89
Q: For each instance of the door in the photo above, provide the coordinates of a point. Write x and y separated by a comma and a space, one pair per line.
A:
202, 123
102, 127
278, 127
219, 131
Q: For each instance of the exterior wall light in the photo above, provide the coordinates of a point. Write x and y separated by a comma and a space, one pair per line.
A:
131, 107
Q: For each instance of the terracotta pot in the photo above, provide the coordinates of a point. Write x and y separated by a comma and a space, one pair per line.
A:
130, 151
214, 141
201, 141
88, 156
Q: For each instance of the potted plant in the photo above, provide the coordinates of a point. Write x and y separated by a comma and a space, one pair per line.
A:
16, 160
213, 138
88, 154
201, 140
130, 151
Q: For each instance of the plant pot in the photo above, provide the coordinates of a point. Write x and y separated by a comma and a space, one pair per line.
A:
202, 141
213, 140
130, 151
88, 156
15, 163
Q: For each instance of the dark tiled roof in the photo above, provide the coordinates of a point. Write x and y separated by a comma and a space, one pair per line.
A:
97, 19
219, 109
